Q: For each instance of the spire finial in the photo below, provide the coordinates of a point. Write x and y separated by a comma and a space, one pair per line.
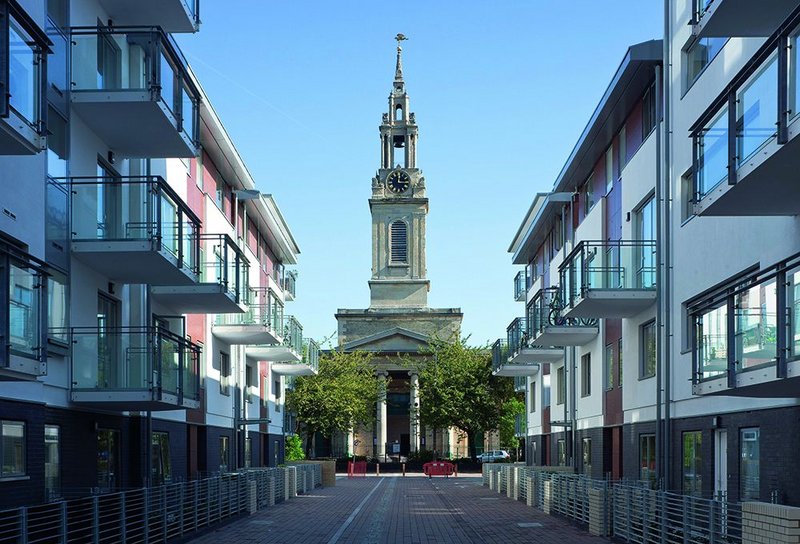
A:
398, 72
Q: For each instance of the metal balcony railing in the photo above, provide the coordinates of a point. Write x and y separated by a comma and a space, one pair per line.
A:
263, 308
290, 284
117, 60
311, 354
609, 264
499, 354
520, 425
545, 311
293, 334
224, 263
140, 208
119, 359
520, 286
518, 334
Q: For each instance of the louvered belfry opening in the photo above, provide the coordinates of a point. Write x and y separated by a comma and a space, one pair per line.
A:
399, 241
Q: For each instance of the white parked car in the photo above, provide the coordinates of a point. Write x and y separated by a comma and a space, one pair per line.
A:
493, 456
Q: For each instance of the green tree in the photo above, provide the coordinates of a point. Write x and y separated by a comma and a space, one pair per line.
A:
513, 407
341, 396
457, 389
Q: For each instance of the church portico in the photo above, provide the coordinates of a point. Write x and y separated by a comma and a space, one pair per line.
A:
398, 325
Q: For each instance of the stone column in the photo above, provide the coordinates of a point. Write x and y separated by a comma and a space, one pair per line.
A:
380, 425
414, 412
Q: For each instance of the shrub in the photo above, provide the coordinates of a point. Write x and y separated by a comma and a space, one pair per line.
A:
294, 448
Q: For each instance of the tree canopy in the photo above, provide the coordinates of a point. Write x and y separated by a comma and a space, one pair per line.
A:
341, 396
457, 389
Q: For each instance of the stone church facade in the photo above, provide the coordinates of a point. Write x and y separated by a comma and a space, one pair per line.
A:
398, 323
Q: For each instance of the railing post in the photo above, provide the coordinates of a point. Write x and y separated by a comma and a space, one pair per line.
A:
685, 517
95, 519
123, 527
146, 515
164, 510
63, 521
23, 525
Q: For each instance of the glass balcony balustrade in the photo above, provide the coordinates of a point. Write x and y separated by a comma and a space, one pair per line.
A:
307, 366
288, 350
608, 279
170, 15
131, 85
134, 230
734, 18
499, 355
744, 143
520, 286
261, 323
550, 328
747, 337
24, 321
290, 285
520, 425
24, 48
134, 368
222, 287
520, 384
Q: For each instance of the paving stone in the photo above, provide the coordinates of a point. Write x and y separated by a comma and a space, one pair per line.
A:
399, 510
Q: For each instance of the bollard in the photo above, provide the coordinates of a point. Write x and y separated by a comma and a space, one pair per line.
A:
455, 471
377, 469
404, 470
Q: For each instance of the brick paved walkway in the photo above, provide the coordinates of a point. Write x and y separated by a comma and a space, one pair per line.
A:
399, 510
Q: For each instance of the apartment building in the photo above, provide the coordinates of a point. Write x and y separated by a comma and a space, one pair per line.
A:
143, 274
658, 338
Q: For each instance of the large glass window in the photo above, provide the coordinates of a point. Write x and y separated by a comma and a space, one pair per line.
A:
793, 308
586, 447
24, 307
561, 386
699, 55
224, 453
712, 154
647, 457
756, 326
649, 353
712, 342
561, 446
646, 231
224, 373
749, 467
23, 65
57, 311
586, 375
162, 466
693, 463
52, 461
609, 365
532, 398
757, 111
649, 111
12, 448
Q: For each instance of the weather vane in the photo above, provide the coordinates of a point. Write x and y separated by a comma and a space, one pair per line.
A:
400, 38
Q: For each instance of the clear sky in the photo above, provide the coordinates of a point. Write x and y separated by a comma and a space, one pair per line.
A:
501, 91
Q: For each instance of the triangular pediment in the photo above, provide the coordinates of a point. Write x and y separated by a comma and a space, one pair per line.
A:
394, 339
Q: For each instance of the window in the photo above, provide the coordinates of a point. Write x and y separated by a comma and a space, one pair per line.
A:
749, 455
699, 55
687, 195
587, 195
248, 451
264, 389
561, 386
224, 373
57, 139
647, 457
586, 447
219, 194
107, 458
223, 453
619, 363
57, 309
277, 392
586, 375
609, 169
561, 446
622, 148
546, 391
23, 317
646, 232
609, 362
52, 462
649, 353
161, 470
693, 463
12, 448
532, 398
398, 239
649, 111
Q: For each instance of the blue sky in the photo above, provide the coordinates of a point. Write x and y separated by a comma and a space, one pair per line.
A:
501, 91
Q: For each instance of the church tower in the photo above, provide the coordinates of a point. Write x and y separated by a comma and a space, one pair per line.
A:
399, 208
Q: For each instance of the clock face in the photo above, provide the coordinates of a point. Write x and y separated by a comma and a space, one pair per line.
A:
398, 182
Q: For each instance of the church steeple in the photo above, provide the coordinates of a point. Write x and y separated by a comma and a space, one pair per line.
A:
399, 207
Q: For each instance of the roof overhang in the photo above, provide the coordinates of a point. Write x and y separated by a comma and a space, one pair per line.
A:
629, 83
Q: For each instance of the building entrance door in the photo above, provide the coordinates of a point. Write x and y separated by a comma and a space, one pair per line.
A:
720, 463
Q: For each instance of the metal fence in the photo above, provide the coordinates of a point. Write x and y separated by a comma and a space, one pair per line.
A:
150, 515
629, 511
